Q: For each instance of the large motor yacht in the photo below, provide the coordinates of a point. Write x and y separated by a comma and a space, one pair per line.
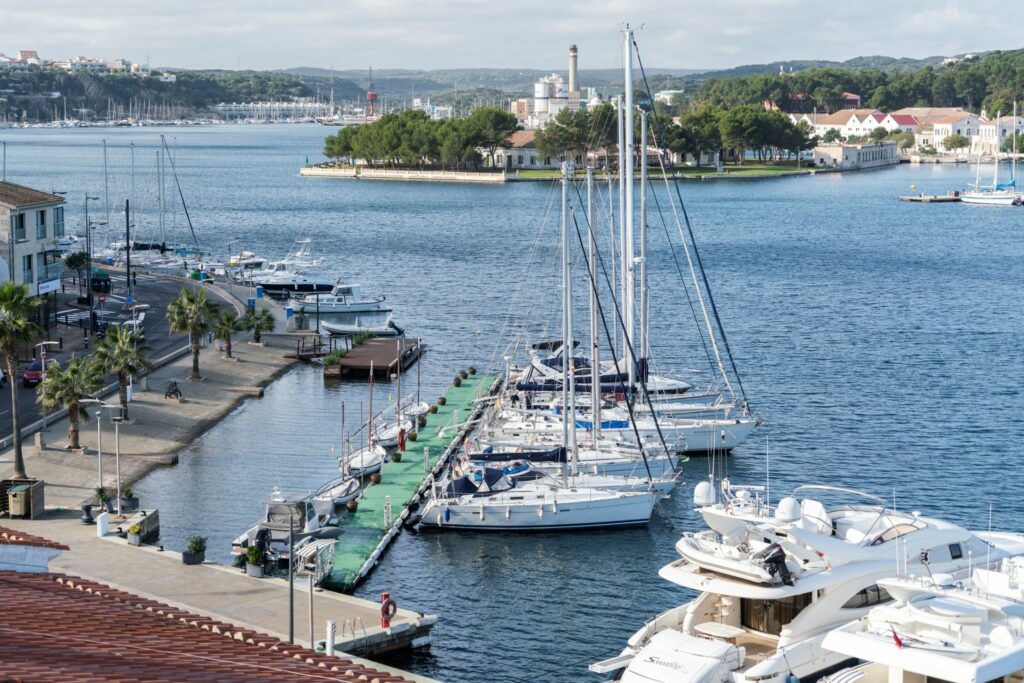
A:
772, 581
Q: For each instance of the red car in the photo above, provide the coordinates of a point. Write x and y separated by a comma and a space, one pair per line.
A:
33, 374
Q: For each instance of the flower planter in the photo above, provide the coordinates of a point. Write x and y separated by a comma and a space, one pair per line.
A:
254, 570
193, 558
134, 539
352, 505
375, 477
130, 503
396, 456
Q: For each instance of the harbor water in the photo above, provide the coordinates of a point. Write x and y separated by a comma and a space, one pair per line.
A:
881, 341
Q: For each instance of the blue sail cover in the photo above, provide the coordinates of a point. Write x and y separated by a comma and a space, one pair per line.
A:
553, 455
607, 424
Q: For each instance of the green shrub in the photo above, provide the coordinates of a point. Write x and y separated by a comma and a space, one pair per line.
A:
196, 544
254, 555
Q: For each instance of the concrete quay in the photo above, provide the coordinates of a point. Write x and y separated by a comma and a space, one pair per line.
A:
224, 593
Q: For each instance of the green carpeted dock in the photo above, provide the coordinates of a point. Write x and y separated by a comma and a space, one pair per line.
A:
368, 531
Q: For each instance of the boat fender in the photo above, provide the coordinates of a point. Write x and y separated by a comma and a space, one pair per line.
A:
447, 515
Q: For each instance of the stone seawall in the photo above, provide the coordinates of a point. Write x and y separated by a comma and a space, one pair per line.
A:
403, 175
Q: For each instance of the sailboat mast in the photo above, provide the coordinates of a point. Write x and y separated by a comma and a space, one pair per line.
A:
566, 306
106, 193
642, 260
627, 228
620, 108
995, 173
160, 193
571, 414
595, 343
614, 341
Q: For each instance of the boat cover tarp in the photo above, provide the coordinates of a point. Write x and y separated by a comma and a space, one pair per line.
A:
552, 455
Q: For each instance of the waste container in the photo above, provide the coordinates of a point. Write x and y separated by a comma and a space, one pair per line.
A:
18, 500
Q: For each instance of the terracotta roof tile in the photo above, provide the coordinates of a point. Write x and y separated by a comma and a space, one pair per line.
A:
18, 195
520, 139
12, 537
55, 628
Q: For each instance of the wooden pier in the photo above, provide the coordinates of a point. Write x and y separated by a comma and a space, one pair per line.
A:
385, 507
383, 355
953, 196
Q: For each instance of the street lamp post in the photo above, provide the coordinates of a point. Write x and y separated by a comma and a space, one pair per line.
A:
88, 251
99, 432
42, 352
117, 419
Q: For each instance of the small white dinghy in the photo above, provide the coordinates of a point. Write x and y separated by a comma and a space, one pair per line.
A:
364, 461
336, 492
387, 434
388, 328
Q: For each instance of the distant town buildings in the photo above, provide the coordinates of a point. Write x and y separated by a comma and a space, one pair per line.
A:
552, 94
855, 156
434, 111
26, 58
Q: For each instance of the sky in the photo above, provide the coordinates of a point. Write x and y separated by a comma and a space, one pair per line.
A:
535, 34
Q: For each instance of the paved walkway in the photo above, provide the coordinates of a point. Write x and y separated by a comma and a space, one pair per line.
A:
213, 590
158, 428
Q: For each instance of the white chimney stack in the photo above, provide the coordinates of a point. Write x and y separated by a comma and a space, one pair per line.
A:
573, 85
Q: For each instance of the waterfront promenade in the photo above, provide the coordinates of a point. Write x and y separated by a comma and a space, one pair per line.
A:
159, 427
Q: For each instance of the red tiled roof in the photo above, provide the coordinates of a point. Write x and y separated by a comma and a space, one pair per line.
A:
904, 119
520, 139
62, 628
12, 537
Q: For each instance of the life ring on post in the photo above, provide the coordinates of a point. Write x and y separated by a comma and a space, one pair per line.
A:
388, 610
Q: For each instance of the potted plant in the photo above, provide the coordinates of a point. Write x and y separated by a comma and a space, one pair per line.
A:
254, 560
195, 553
129, 501
135, 535
104, 498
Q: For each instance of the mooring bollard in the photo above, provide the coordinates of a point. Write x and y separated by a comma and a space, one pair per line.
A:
426, 458
387, 511
329, 639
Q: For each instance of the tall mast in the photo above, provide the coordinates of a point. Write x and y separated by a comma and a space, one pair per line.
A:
160, 193
568, 395
995, 174
595, 343
106, 188
627, 228
644, 319
620, 343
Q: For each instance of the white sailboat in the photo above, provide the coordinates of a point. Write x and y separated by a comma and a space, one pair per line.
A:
996, 194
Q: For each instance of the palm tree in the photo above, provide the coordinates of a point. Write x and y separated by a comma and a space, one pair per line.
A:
122, 351
66, 387
259, 320
227, 324
192, 313
17, 326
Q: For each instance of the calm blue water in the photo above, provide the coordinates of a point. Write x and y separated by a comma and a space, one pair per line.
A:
881, 341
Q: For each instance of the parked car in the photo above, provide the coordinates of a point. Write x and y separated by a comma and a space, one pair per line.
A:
3, 378
34, 373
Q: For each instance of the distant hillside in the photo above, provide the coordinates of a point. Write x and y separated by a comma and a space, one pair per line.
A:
406, 83
880, 62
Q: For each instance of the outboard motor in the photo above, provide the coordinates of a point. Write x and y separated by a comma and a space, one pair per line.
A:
262, 540
773, 558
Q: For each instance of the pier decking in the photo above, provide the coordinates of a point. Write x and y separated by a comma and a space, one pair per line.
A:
931, 198
382, 355
368, 531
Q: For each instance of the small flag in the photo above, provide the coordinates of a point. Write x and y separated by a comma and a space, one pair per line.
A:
896, 638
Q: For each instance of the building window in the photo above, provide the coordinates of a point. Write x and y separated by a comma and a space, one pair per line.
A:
18, 227
520, 161
26, 269
40, 225
58, 221
770, 616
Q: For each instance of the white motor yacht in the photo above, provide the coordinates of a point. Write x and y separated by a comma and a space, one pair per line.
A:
772, 582
280, 279
343, 298
488, 500
284, 512
932, 630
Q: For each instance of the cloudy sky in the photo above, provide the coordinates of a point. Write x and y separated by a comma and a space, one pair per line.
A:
270, 34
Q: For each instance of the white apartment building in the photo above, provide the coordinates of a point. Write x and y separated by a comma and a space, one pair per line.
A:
31, 223
993, 134
850, 157
961, 123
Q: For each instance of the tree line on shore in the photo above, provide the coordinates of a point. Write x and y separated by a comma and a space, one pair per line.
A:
990, 82
414, 139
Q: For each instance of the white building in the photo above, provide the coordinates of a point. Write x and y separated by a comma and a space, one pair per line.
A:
993, 134
901, 122
667, 96
435, 112
521, 153
851, 157
961, 123
550, 96
30, 57
31, 223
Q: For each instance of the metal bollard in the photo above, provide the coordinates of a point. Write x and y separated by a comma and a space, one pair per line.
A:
329, 639
387, 511
426, 458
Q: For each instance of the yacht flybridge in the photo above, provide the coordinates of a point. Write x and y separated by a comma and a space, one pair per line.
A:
935, 629
772, 581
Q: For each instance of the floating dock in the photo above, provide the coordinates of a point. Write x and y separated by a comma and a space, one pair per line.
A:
931, 198
384, 507
382, 354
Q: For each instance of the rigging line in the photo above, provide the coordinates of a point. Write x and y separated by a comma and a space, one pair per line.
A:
689, 228
682, 278
627, 346
174, 172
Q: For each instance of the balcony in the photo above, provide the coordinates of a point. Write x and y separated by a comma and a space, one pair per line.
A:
52, 271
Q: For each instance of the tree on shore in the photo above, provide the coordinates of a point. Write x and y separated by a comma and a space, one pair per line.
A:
259, 320
122, 352
955, 142
66, 387
491, 127
226, 325
832, 135
192, 313
78, 261
17, 326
